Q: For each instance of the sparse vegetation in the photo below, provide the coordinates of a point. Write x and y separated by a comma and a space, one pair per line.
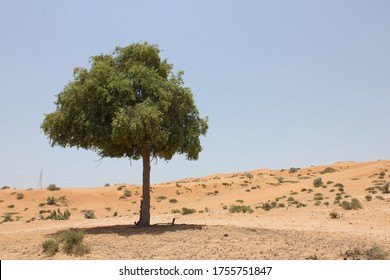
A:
58, 215
73, 243
355, 204
89, 214
385, 188
173, 200
374, 252
51, 200
127, 193
50, 247
368, 197
317, 182
19, 196
334, 215
187, 211
53, 187
328, 170
7, 218
240, 209
293, 170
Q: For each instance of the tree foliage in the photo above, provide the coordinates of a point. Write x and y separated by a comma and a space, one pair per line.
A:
127, 101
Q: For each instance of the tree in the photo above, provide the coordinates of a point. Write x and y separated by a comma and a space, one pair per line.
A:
128, 104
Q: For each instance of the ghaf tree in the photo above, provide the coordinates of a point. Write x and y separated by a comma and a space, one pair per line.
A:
128, 104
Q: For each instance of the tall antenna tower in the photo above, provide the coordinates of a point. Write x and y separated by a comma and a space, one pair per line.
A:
40, 181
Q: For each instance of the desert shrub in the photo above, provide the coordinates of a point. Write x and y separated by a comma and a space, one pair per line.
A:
120, 188
107, 184
187, 211
19, 196
338, 185
108, 209
57, 215
346, 205
379, 197
293, 170
326, 203
303, 190
50, 247
11, 206
73, 242
249, 176
385, 188
224, 207
368, 197
240, 208
115, 214
127, 193
266, 207
240, 201
161, 197
290, 199
329, 182
51, 200
328, 170
5, 187
334, 215
53, 187
281, 205
355, 204
89, 214
375, 252
7, 218
175, 211
317, 182
41, 204
173, 200
341, 189
317, 203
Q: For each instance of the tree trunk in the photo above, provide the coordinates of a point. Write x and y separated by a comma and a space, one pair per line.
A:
144, 218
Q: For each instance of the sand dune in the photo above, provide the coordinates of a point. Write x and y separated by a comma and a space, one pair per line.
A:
290, 218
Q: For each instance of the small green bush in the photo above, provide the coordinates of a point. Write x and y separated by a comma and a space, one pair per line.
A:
266, 207
173, 200
240, 201
187, 211
346, 205
127, 193
161, 197
73, 243
89, 214
51, 200
120, 188
57, 215
368, 197
328, 170
317, 182
355, 204
385, 188
240, 208
293, 170
53, 187
8, 218
11, 206
175, 211
50, 247
19, 196
334, 215
107, 184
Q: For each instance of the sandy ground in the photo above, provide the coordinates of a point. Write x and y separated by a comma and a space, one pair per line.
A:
298, 227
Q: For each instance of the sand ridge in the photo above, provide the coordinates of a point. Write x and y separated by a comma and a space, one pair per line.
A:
296, 226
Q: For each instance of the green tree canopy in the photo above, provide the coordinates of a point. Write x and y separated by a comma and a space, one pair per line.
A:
128, 104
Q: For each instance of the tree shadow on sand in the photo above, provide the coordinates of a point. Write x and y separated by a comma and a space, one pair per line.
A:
128, 230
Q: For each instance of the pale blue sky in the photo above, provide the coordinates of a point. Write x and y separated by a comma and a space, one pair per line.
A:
284, 83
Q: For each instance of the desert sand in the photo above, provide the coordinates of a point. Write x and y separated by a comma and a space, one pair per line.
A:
296, 225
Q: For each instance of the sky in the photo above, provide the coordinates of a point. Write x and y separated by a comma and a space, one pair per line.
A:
284, 83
